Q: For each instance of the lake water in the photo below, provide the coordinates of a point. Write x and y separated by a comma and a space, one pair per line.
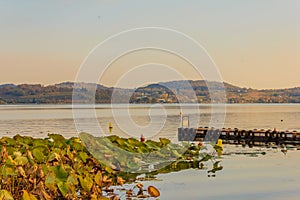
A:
272, 176
39, 120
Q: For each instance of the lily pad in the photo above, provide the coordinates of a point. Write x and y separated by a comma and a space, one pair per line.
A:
38, 154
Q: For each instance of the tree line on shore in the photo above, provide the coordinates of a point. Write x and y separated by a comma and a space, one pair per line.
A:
167, 92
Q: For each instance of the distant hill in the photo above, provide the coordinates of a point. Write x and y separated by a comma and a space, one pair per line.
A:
8, 85
166, 92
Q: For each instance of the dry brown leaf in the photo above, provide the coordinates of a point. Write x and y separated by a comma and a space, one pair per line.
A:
153, 191
120, 180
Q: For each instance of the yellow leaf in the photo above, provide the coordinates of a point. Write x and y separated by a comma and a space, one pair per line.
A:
28, 196
98, 179
4, 194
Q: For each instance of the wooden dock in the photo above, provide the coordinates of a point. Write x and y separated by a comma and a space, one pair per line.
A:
255, 137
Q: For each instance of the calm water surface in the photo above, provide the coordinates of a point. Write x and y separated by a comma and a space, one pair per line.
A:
272, 176
38, 120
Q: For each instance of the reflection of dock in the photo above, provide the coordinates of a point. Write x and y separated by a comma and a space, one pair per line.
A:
240, 136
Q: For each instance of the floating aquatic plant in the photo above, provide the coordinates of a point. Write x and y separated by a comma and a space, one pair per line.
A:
59, 168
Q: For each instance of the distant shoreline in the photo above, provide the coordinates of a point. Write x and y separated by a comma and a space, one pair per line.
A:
167, 92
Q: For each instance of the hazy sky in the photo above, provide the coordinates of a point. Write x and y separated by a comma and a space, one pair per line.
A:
254, 43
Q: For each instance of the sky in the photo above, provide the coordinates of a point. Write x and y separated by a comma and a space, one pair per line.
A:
253, 43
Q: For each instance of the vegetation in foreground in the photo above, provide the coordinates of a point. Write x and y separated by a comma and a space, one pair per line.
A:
59, 168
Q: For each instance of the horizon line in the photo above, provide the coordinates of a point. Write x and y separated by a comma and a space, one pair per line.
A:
69, 81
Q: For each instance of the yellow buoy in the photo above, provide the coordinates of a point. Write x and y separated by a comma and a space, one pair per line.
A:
220, 143
219, 148
110, 127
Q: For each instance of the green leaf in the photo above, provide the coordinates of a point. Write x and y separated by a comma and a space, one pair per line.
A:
21, 160
39, 142
11, 149
143, 150
72, 180
4, 194
38, 154
17, 154
28, 196
23, 139
9, 141
62, 186
113, 138
164, 141
10, 161
3, 140
133, 141
109, 170
7, 171
152, 145
58, 140
56, 137
120, 142
53, 156
77, 146
83, 156
60, 173
50, 181
86, 183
